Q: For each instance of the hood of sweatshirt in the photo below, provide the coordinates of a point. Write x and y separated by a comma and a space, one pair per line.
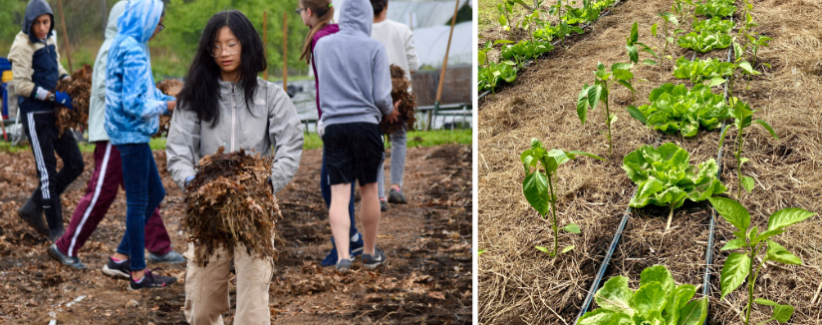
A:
34, 9
113, 16
356, 16
140, 19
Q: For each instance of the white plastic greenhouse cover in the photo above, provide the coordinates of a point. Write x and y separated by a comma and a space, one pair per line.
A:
425, 13
431, 44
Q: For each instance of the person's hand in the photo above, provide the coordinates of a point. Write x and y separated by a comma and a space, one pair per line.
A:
320, 129
188, 180
63, 99
172, 105
392, 118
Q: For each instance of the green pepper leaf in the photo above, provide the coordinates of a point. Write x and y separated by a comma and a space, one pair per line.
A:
535, 188
572, 228
732, 211
779, 254
786, 217
734, 271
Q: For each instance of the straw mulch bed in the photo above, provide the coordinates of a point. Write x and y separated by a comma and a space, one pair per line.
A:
229, 203
408, 106
171, 87
518, 284
79, 88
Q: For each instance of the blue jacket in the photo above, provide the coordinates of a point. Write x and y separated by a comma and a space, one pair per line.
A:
133, 103
35, 62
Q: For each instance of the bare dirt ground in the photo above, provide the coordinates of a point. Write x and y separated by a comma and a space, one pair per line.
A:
427, 279
520, 285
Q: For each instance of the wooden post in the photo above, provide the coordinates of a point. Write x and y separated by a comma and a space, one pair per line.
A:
285, 51
265, 43
444, 66
411, 21
65, 35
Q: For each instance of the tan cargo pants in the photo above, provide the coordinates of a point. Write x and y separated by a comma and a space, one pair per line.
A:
207, 288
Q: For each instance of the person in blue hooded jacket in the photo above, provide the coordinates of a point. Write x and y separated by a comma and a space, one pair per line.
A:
133, 109
36, 68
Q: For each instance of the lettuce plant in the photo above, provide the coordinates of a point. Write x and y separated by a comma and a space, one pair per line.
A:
658, 301
666, 178
714, 25
676, 109
538, 185
525, 50
743, 116
587, 13
591, 95
715, 8
705, 41
699, 70
740, 266
490, 76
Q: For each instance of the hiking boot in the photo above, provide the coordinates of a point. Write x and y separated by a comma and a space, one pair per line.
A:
344, 265
372, 261
116, 270
354, 247
74, 262
396, 197
171, 257
32, 214
151, 281
383, 206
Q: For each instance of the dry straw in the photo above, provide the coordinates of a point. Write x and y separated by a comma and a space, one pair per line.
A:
79, 89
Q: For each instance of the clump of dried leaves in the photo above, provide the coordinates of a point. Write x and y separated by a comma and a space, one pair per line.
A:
408, 106
79, 88
171, 87
228, 203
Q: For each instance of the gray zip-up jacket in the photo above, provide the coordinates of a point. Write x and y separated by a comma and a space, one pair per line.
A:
353, 69
274, 123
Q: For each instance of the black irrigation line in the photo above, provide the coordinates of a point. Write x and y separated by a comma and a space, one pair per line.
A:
527, 63
712, 227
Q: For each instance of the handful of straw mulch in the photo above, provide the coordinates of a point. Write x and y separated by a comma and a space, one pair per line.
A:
79, 88
408, 106
171, 87
229, 202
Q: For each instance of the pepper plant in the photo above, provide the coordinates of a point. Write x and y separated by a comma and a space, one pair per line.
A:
743, 116
657, 301
591, 95
539, 188
665, 177
668, 18
739, 267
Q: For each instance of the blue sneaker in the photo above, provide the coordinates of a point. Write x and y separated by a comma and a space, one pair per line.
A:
354, 247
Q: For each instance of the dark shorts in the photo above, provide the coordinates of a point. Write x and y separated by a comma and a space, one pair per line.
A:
353, 151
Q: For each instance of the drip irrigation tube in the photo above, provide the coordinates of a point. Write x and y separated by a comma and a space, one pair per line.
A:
527, 63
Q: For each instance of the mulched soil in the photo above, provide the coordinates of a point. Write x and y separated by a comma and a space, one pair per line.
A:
426, 281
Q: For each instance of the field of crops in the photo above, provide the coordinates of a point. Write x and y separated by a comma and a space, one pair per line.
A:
775, 75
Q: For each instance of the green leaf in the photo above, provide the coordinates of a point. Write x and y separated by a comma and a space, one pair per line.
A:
635, 113
503, 41
779, 254
653, 29
734, 244
766, 302
734, 272
676, 301
634, 34
650, 297
694, 313
582, 104
567, 249
716, 81
535, 188
769, 234
657, 273
621, 66
481, 58
649, 62
748, 183
621, 74
746, 67
615, 294
582, 153
572, 228
767, 127
604, 316
732, 211
594, 95
633, 53
782, 313
543, 249
626, 84
786, 217
480, 252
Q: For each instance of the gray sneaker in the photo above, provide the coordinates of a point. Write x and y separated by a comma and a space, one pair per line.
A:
74, 262
344, 265
396, 197
383, 206
372, 261
32, 214
171, 257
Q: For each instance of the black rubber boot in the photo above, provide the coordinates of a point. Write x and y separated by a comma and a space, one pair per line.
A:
32, 214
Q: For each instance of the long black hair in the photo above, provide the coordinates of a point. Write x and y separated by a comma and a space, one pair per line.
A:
201, 92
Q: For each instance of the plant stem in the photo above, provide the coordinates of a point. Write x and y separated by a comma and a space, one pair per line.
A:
670, 217
751, 282
739, 163
608, 122
552, 199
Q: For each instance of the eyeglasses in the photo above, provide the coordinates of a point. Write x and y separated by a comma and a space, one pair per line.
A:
231, 49
161, 26
300, 10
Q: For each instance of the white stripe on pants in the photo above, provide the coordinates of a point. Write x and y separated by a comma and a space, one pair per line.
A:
38, 157
100, 179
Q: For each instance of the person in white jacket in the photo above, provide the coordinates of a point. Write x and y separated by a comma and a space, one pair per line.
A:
399, 43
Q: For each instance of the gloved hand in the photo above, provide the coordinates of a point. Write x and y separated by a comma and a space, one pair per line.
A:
188, 180
63, 99
320, 129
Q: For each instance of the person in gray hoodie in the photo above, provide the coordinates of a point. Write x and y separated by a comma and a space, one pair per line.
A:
355, 95
225, 104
